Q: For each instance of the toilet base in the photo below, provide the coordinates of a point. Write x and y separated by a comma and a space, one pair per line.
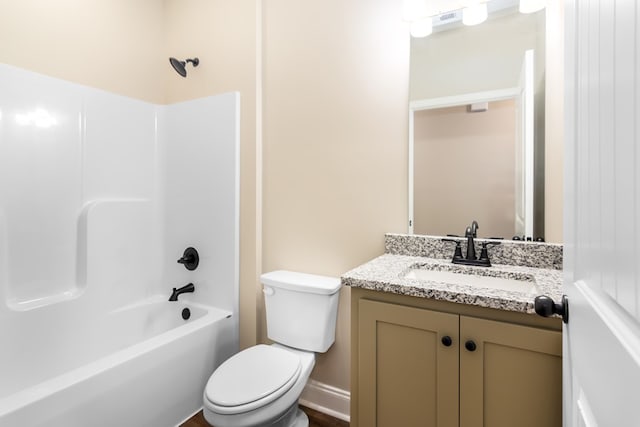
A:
294, 417
301, 419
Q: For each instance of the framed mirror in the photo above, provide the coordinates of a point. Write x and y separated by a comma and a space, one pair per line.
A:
477, 125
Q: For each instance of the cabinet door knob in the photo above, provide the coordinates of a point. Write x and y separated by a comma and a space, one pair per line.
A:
447, 341
470, 345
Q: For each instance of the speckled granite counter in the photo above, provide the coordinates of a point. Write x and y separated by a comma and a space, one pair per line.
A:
386, 273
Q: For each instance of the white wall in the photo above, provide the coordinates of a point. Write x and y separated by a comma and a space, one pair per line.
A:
99, 195
97, 147
99, 204
335, 109
199, 157
78, 225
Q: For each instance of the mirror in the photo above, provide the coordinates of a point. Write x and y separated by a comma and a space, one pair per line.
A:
477, 125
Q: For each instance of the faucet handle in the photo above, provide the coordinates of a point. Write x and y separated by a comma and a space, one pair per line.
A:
190, 259
457, 253
484, 253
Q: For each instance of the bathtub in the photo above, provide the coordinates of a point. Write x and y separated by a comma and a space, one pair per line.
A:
140, 365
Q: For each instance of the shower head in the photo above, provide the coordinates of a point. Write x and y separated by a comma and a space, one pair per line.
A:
179, 66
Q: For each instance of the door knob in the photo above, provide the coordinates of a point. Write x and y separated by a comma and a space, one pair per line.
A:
447, 341
546, 307
470, 345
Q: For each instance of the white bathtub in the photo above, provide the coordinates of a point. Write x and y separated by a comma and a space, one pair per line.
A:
141, 365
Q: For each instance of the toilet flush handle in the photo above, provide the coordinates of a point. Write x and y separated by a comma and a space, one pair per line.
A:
268, 291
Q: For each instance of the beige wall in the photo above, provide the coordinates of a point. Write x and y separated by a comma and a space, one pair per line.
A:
464, 170
115, 45
335, 150
554, 133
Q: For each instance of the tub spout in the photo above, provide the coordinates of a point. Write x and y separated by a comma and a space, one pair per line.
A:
182, 290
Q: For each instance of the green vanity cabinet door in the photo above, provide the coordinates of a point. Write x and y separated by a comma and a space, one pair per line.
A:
513, 377
407, 376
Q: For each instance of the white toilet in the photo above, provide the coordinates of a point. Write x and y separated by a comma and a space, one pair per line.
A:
260, 386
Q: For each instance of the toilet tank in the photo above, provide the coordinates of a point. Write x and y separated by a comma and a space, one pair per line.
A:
302, 309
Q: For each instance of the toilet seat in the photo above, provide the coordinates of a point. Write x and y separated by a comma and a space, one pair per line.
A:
251, 379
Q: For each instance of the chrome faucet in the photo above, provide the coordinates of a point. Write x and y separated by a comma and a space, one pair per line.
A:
182, 290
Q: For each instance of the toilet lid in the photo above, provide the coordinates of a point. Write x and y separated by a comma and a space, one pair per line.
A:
254, 374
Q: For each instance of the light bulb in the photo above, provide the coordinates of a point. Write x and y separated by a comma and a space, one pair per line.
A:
421, 28
474, 15
530, 6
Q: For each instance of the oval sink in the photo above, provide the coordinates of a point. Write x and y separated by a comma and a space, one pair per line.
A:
519, 283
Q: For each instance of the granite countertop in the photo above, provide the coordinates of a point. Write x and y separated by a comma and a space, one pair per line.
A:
386, 273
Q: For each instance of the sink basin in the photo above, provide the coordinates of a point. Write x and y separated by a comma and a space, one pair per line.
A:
517, 282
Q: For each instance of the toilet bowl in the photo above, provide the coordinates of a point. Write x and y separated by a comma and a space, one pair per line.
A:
260, 386
272, 379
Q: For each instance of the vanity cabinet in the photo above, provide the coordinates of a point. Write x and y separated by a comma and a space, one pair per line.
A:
419, 362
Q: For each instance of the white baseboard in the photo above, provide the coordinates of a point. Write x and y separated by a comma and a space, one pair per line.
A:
326, 399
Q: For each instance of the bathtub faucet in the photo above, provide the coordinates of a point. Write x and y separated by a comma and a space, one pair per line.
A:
182, 290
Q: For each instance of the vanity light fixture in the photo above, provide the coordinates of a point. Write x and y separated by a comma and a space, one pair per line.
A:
530, 6
474, 14
424, 15
416, 12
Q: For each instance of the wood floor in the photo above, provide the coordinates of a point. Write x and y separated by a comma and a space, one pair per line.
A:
316, 419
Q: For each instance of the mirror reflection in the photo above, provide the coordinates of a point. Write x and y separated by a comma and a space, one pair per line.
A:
477, 125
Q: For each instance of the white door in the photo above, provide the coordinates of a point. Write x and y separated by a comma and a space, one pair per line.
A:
524, 148
602, 213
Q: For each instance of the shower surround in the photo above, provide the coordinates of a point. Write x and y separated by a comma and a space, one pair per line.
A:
99, 196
